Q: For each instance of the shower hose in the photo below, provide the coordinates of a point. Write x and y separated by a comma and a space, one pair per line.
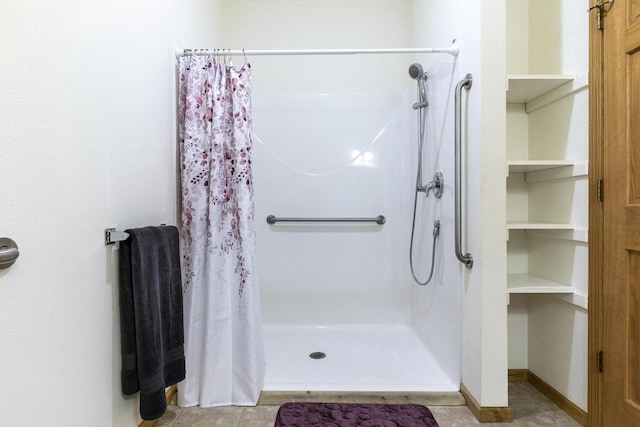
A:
436, 224
436, 233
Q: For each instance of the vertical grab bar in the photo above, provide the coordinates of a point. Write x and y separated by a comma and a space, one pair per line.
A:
465, 83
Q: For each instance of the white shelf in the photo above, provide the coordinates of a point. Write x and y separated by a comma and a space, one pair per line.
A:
575, 235
534, 225
547, 170
536, 165
551, 232
524, 88
536, 92
548, 230
529, 284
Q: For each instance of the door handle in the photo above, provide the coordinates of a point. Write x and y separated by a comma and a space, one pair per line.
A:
8, 252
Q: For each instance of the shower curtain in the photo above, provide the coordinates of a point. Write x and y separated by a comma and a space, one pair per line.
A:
224, 351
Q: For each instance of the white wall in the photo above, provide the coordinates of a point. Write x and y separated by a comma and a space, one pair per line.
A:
87, 142
320, 24
560, 45
517, 36
197, 23
558, 336
491, 126
480, 32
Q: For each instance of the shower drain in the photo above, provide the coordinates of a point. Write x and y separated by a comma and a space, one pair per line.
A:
317, 355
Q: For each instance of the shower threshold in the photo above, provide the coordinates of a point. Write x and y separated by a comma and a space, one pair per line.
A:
429, 398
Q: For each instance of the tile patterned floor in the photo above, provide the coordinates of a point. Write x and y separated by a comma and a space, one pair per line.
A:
529, 408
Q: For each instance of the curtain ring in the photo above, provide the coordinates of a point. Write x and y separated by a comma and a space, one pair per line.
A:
245, 56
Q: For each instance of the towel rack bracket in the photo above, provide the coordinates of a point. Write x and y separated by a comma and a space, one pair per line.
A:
112, 236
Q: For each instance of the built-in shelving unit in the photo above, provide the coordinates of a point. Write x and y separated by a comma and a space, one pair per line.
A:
547, 190
535, 92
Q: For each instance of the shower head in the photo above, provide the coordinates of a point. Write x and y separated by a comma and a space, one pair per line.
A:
416, 72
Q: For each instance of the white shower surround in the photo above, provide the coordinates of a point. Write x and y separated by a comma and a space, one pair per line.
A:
335, 287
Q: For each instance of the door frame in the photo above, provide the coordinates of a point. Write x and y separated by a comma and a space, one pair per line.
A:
596, 219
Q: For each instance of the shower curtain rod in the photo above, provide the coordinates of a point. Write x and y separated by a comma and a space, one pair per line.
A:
451, 50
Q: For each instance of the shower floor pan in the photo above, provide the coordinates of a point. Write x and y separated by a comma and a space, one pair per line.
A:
356, 358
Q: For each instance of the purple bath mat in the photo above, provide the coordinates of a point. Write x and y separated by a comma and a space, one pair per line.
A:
294, 414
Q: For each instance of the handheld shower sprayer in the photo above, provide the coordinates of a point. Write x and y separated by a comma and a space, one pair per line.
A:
437, 184
415, 70
417, 73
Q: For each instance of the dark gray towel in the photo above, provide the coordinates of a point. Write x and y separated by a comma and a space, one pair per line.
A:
151, 325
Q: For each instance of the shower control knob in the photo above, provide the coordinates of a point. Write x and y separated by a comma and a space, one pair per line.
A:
437, 185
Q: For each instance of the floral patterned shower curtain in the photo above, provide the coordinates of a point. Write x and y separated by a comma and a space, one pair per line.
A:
224, 350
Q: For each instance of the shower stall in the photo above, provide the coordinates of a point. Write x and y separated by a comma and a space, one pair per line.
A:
337, 137
344, 290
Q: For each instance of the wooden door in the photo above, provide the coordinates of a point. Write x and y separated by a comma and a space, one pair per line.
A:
617, 298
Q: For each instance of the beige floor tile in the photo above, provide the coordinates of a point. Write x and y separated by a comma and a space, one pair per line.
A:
227, 416
456, 416
169, 417
530, 408
540, 419
260, 416
565, 420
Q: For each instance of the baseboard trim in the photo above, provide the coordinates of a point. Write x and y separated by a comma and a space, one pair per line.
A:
170, 392
573, 410
518, 375
486, 414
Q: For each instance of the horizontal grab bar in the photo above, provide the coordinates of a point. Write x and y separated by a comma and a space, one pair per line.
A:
380, 219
